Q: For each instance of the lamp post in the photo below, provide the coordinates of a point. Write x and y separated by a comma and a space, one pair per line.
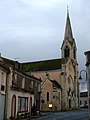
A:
80, 78
87, 53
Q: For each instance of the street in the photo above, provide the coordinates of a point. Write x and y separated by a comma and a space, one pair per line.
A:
70, 115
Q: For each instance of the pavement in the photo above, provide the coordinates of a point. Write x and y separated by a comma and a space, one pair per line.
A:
32, 117
46, 113
86, 118
41, 114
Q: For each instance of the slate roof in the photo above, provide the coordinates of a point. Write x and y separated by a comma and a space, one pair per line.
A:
12, 63
45, 65
7, 62
68, 29
4, 66
68, 32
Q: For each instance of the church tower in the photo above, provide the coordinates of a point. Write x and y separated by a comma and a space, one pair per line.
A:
59, 76
68, 48
70, 87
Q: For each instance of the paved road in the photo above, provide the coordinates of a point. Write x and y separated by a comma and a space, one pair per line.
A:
71, 115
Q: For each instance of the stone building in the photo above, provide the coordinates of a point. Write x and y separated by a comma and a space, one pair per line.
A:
18, 91
84, 99
51, 97
4, 71
62, 71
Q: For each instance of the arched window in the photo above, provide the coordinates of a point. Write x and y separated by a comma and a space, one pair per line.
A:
74, 53
66, 52
47, 96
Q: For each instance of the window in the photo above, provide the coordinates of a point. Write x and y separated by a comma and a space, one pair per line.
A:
2, 87
66, 51
74, 53
27, 84
47, 96
22, 104
2, 79
80, 102
2, 82
23, 83
59, 96
19, 80
14, 82
85, 102
30, 86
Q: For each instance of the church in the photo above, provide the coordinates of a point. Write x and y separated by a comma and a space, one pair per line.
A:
60, 85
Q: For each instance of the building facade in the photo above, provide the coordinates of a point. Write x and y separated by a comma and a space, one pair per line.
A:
64, 71
19, 97
84, 99
50, 97
87, 53
19, 92
4, 71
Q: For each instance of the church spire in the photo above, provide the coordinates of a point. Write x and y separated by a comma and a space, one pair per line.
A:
68, 30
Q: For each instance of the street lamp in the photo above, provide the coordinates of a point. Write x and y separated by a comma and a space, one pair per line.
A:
80, 77
87, 53
81, 72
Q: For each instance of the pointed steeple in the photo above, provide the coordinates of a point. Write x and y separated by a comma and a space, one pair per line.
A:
68, 30
69, 45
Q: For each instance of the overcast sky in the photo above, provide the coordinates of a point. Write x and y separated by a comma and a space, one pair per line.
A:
33, 30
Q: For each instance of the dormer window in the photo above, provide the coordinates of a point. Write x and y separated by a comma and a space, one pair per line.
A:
66, 52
